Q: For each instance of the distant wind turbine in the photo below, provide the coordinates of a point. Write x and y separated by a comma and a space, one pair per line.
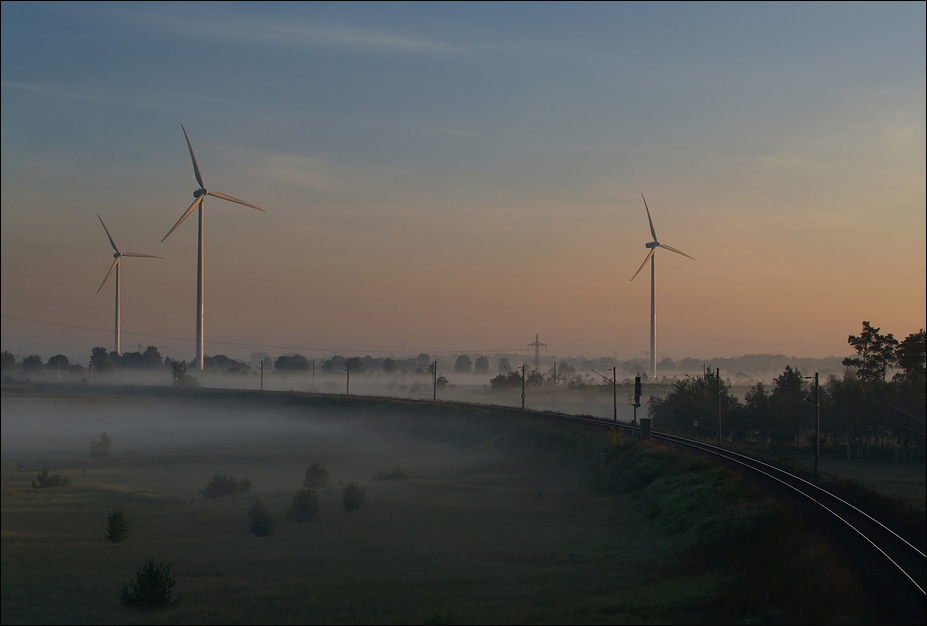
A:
199, 196
115, 266
653, 245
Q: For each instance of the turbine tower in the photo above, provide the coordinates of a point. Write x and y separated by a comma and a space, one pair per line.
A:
115, 266
199, 197
653, 245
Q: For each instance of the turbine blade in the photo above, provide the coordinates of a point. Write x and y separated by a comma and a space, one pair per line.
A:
231, 199
183, 217
111, 242
111, 268
147, 256
196, 168
663, 245
643, 264
652, 231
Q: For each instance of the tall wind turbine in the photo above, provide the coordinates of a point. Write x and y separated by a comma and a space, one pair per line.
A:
199, 197
115, 266
653, 245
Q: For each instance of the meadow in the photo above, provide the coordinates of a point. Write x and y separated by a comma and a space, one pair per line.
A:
501, 519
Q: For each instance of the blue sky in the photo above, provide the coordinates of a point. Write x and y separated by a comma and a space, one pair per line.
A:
460, 177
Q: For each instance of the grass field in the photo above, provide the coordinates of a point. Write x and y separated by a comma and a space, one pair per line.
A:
500, 521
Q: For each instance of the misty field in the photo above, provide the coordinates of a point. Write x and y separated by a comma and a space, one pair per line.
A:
499, 520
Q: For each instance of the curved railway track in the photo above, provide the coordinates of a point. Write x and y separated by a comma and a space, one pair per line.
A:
902, 577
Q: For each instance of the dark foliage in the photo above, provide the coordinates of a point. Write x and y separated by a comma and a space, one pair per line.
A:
151, 587
397, 473
260, 520
43, 480
353, 496
101, 448
221, 485
117, 528
316, 475
305, 505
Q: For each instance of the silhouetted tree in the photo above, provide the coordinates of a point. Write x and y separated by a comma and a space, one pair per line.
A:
463, 365
875, 353
31, 363
152, 358
693, 399
101, 360
291, 363
503, 366
7, 363
389, 365
59, 362
481, 365
179, 372
911, 357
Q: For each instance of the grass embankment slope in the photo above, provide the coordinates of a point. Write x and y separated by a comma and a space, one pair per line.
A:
502, 520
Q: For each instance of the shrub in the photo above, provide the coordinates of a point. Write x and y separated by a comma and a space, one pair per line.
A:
102, 447
117, 528
43, 480
221, 485
151, 587
316, 475
305, 505
397, 473
261, 522
353, 495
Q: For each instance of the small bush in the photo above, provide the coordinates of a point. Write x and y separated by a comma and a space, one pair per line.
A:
43, 480
305, 505
117, 528
151, 587
397, 473
353, 495
221, 485
261, 522
316, 475
102, 447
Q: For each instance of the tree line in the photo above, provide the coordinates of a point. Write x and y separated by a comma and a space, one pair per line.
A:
867, 411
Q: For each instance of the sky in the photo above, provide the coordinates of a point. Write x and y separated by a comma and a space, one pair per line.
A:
463, 178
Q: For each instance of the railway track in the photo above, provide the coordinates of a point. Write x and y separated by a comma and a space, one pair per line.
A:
900, 570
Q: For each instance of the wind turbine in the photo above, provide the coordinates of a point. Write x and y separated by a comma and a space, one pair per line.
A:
653, 245
199, 197
115, 266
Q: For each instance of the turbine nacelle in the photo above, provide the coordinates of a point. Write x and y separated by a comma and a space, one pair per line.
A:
652, 244
199, 192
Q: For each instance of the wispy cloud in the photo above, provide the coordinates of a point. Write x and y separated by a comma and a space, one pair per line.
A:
284, 31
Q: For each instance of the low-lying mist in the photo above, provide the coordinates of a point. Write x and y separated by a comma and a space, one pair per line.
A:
35, 427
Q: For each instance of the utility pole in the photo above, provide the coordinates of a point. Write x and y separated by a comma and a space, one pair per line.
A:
817, 424
262, 374
817, 420
615, 389
614, 381
434, 381
718, 376
523, 387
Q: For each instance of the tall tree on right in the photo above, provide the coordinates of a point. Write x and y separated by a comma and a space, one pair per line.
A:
911, 357
875, 353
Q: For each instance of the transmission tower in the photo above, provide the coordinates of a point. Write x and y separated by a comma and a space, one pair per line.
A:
537, 345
